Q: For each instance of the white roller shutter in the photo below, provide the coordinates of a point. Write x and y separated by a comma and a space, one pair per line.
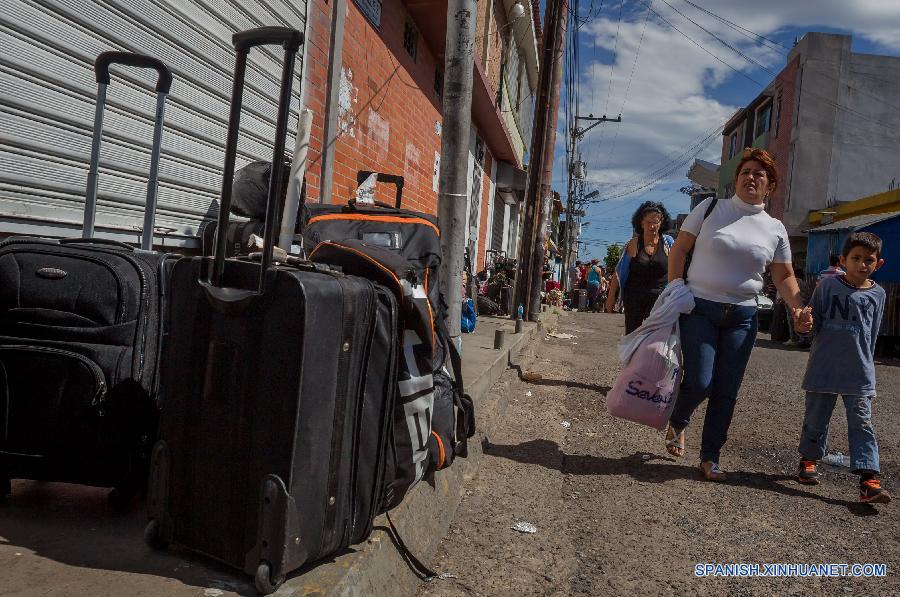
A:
47, 95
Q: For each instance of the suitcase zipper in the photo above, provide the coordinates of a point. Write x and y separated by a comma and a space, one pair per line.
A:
340, 415
100, 381
360, 409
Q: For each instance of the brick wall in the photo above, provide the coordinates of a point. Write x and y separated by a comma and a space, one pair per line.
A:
319, 14
780, 146
389, 114
489, 39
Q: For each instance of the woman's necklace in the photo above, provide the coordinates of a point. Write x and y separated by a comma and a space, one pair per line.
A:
650, 248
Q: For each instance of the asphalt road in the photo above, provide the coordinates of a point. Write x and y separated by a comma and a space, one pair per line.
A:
615, 514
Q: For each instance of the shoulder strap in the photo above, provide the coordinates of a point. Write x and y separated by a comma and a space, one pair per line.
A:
690, 255
465, 417
418, 568
712, 205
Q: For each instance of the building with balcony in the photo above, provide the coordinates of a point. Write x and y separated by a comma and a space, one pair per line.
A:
830, 120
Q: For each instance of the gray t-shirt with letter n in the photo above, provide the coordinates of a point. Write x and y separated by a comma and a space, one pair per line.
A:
846, 321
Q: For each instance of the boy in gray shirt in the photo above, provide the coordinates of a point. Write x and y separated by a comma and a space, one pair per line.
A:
847, 313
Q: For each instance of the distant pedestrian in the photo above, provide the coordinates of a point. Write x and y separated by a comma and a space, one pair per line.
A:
641, 274
594, 275
574, 275
834, 268
847, 311
732, 247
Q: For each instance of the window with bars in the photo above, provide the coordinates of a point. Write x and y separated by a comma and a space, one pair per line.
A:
410, 39
777, 116
439, 82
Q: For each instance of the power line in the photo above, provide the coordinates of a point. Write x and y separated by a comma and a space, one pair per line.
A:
628, 85
693, 41
742, 30
722, 41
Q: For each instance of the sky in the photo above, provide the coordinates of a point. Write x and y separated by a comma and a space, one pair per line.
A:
673, 93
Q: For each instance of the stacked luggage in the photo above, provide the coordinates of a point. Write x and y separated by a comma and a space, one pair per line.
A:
287, 401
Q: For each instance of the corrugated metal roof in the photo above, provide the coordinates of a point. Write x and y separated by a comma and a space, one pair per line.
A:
856, 222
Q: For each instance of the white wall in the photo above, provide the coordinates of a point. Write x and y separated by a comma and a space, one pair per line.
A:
841, 154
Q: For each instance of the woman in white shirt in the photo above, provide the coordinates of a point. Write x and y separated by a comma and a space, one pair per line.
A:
732, 247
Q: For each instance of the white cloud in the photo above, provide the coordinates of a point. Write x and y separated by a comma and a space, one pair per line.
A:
671, 101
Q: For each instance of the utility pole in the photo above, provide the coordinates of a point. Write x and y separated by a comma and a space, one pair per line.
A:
535, 195
457, 122
573, 189
545, 190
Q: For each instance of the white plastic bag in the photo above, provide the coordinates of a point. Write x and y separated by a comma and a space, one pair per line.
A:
647, 387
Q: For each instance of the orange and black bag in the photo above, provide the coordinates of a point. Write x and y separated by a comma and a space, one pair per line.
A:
401, 250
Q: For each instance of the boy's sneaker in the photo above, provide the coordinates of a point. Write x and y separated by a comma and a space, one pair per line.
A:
870, 492
808, 472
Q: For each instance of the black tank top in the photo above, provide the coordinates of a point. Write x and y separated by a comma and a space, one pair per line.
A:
648, 272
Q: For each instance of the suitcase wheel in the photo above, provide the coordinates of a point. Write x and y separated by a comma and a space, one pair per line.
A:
152, 537
118, 499
264, 582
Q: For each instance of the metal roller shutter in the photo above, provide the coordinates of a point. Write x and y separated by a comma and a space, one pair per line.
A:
497, 223
47, 95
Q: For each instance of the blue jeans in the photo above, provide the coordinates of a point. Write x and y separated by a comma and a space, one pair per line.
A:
716, 341
860, 431
593, 292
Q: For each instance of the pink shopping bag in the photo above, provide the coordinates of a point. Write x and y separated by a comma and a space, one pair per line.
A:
646, 389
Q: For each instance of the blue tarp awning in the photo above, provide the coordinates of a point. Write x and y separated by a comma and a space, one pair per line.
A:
829, 240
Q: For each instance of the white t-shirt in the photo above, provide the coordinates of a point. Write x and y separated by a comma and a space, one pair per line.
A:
737, 242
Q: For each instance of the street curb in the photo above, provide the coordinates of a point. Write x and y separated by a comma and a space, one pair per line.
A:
377, 567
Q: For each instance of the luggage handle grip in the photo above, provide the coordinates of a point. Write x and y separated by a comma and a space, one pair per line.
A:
243, 41
291, 39
228, 300
104, 60
395, 179
95, 241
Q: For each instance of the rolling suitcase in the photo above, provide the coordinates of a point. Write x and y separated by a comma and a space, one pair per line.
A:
278, 392
80, 333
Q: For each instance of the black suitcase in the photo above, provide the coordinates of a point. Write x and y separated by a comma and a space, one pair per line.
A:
278, 391
80, 331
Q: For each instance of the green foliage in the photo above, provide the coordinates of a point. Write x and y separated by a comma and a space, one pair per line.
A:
613, 254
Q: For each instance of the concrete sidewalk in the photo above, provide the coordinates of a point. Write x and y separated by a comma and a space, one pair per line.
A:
60, 539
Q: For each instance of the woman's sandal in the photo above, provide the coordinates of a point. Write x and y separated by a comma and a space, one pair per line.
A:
711, 471
675, 441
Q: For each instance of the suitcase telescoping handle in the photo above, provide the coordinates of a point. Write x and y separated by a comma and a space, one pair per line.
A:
163, 84
395, 179
290, 39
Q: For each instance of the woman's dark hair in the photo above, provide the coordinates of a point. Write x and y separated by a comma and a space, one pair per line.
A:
647, 207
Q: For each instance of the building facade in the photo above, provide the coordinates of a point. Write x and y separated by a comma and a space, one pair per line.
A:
829, 118
385, 103
389, 101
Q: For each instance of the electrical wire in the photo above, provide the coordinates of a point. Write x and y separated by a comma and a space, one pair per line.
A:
722, 41
765, 40
628, 85
696, 43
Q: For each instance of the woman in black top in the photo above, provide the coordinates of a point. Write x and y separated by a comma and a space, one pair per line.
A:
643, 270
